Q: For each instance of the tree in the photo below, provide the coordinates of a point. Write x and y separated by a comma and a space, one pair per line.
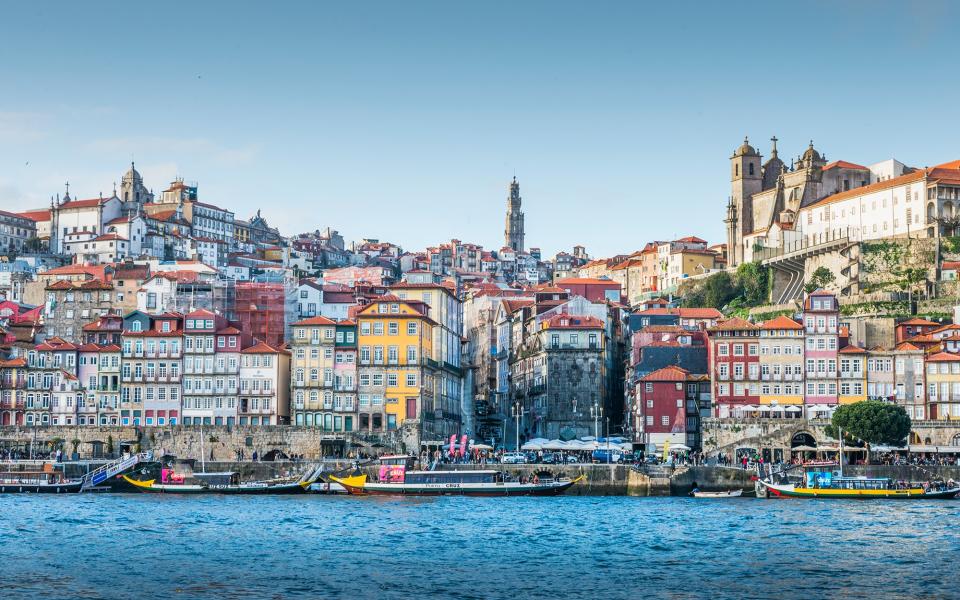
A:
819, 279
753, 278
872, 422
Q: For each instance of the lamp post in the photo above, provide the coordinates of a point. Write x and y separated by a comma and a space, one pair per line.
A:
517, 412
596, 411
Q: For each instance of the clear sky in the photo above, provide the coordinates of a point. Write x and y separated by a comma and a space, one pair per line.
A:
404, 121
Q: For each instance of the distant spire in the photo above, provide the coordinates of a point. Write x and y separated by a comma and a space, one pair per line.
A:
773, 153
66, 196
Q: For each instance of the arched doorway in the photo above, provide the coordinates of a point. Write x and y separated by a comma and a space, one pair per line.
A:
956, 440
915, 438
803, 438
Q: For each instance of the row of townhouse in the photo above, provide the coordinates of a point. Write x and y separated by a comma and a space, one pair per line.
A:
396, 361
788, 368
390, 364
148, 370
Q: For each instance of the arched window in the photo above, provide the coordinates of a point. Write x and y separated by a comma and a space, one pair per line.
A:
751, 168
126, 196
956, 440
736, 170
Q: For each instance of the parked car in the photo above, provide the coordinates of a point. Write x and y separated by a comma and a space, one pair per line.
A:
513, 458
602, 455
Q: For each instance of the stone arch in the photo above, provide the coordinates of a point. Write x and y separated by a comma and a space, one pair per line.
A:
956, 440
803, 438
931, 211
947, 209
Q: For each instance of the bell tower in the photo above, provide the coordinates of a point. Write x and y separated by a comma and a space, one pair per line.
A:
746, 180
513, 233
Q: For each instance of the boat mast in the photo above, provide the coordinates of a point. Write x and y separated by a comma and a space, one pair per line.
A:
840, 429
203, 462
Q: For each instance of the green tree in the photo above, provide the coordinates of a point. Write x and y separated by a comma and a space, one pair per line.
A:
753, 279
819, 279
872, 422
719, 289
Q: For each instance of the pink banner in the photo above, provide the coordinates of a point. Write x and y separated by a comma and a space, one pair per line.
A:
453, 445
463, 445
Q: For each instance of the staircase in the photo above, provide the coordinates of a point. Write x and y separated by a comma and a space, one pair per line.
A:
112, 469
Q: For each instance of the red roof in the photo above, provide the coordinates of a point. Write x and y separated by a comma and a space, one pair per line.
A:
668, 373
585, 281
906, 346
565, 321
781, 322
692, 240
36, 215
261, 348
943, 357
56, 344
318, 320
107, 237
842, 164
851, 349
951, 265
82, 203
918, 321
734, 324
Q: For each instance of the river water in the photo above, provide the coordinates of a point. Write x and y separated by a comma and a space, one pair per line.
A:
145, 546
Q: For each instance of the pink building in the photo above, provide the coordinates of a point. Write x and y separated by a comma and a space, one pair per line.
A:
821, 315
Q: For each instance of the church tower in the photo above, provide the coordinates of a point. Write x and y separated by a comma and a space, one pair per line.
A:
746, 180
513, 233
133, 193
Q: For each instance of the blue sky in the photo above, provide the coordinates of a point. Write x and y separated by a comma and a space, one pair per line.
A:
405, 121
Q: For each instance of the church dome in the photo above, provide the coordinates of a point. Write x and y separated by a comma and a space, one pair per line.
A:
132, 174
811, 154
746, 149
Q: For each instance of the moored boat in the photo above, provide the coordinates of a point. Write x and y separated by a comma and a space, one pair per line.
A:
860, 488
216, 483
47, 480
724, 494
396, 480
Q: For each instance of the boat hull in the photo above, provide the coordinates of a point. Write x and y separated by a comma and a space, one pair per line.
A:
151, 487
730, 494
71, 487
789, 491
358, 485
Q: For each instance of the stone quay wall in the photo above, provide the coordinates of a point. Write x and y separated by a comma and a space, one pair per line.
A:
218, 443
725, 435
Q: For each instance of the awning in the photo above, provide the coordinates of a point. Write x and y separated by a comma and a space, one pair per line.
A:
804, 449
793, 408
934, 449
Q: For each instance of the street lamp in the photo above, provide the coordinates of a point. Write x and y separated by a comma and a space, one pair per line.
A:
596, 411
517, 411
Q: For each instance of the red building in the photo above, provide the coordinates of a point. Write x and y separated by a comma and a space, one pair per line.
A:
905, 330
265, 310
735, 366
663, 406
594, 290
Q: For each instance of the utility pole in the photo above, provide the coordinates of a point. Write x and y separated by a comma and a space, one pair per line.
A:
518, 412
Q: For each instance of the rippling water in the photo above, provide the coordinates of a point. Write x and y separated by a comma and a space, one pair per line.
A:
124, 546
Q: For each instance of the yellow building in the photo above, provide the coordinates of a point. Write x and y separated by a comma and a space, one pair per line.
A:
943, 385
781, 362
446, 310
853, 375
312, 377
395, 370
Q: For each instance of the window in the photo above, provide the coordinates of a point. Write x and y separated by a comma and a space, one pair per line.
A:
650, 420
411, 328
664, 420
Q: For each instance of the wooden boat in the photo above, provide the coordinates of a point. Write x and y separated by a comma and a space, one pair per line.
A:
206, 487
860, 488
456, 483
395, 477
726, 494
822, 482
38, 482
